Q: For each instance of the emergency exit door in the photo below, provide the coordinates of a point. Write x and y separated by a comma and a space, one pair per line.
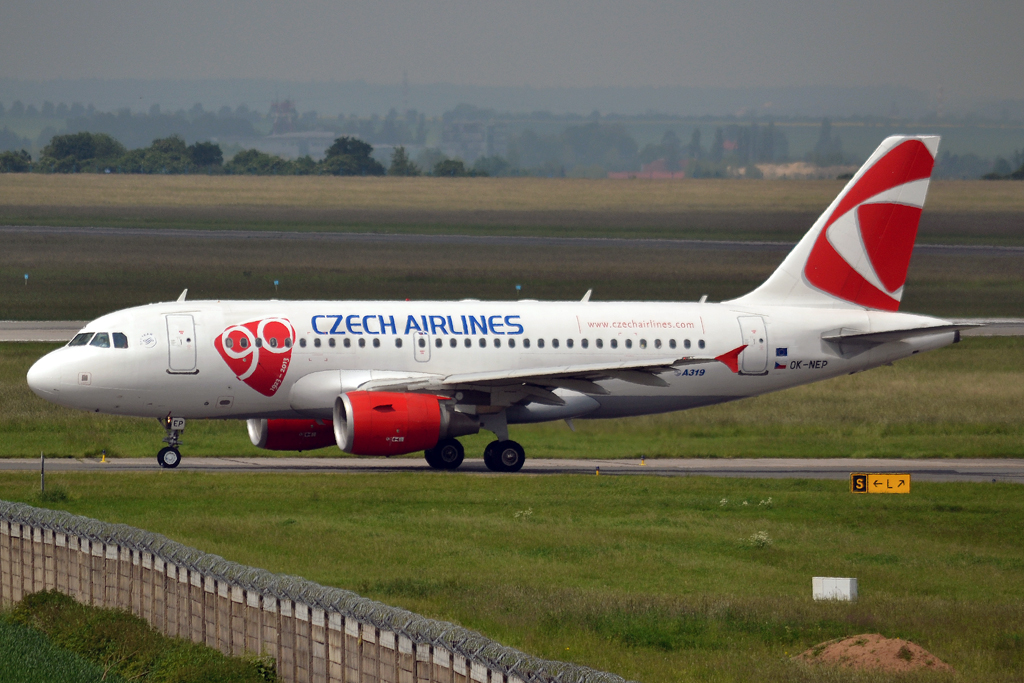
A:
754, 359
181, 344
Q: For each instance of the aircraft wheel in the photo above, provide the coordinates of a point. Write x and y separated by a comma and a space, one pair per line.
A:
168, 457
431, 457
510, 456
491, 456
449, 454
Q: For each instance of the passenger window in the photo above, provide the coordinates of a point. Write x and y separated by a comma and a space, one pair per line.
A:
554, 343
422, 343
511, 343
584, 343
302, 342
615, 343
643, 343
526, 343
497, 343
347, 343
273, 342
316, 342
453, 342
700, 344
362, 342
438, 342
120, 340
244, 342
483, 342
469, 342
102, 340
288, 342
259, 343
81, 339
686, 343
376, 343
398, 342
568, 342
540, 343
629, 343
332, 342
672, 343
600, 343
657, 343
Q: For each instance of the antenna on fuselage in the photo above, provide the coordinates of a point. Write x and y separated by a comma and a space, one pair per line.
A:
586, 297
183, 293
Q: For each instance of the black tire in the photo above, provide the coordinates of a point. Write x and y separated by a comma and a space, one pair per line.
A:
431, 457
491, 456
449, 454
510, 456
168, 457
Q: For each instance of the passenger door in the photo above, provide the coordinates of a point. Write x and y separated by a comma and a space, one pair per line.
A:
181, 344
754, 359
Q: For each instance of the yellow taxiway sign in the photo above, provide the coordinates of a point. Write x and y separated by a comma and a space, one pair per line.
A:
865, 482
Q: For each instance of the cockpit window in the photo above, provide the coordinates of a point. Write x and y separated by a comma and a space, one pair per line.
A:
102, 340
120, 340
81, 339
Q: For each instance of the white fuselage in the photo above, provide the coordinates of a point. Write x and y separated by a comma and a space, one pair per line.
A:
172, 365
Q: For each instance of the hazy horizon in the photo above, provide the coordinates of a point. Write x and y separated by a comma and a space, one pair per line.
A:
968, 53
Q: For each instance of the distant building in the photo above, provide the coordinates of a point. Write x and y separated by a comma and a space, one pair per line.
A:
656, 170
470, 140
284, 115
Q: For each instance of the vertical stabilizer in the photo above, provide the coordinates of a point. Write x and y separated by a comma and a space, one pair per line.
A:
857, 253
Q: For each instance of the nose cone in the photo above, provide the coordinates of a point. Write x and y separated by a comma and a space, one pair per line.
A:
44, 377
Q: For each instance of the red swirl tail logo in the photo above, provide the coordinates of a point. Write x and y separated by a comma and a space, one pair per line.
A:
258, 352
863, 251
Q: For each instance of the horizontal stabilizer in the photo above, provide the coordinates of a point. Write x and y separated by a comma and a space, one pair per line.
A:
854, 337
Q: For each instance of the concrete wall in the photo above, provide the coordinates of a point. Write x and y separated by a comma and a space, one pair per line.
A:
310, 644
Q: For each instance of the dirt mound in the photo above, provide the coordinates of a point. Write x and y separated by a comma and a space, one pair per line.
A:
874, 651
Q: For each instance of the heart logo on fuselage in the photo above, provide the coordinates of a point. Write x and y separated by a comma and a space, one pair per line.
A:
258, 352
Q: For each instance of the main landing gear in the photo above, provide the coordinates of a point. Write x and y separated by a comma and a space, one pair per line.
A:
499, 456
169, 456
504, 456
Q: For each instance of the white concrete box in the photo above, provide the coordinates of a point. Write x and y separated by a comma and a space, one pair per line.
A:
833, 588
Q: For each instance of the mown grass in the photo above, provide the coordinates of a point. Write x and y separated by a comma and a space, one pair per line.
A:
657, 579
126, 647
28, 656
958, 211
77, 277
965, 400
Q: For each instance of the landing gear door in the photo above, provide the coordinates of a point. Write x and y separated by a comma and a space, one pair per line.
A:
421, 346
754, 359
181, 344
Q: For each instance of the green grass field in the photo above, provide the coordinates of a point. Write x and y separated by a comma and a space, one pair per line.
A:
958, 211
28, 656
657, 579
966, 400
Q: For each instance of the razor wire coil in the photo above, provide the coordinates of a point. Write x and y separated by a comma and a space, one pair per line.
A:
472, 645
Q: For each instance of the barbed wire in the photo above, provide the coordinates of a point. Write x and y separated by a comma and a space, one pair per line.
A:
472, 645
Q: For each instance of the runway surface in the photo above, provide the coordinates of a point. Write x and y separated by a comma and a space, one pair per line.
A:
479, 240
933, 470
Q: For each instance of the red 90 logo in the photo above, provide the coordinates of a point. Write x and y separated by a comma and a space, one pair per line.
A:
258, 352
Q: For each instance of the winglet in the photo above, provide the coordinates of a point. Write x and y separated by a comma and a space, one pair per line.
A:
732, 358
183, 293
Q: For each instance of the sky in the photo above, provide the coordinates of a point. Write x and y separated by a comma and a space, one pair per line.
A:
971, 50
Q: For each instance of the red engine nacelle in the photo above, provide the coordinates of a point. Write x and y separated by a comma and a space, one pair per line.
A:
382, 423
291, 435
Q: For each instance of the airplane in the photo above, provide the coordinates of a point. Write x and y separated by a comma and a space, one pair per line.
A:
384, 378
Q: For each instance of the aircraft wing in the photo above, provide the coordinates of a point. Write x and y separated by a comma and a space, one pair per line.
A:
871, 338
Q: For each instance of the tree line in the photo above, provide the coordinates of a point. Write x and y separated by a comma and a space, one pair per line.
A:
86, 152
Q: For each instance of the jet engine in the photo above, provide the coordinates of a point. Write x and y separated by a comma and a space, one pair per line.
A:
290, 435
389, 423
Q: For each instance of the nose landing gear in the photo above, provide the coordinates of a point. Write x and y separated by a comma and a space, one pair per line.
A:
170, 456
